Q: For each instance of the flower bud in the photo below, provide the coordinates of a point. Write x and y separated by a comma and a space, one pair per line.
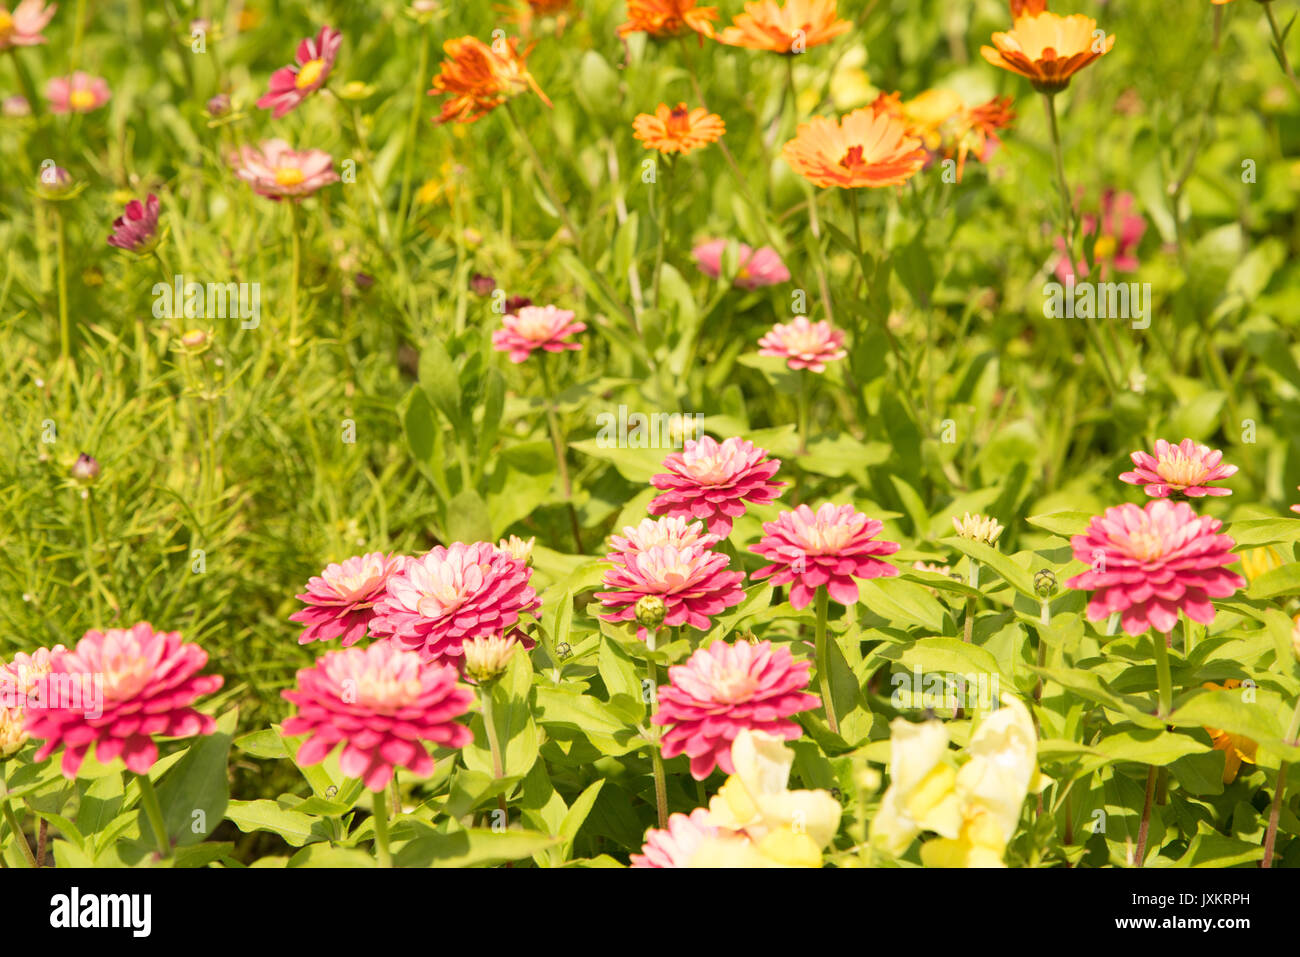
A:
1045, 583
487, 657
517, 548
482, 285
55, 182
219, 105
978, 528
85, 470
650, 611
12, 732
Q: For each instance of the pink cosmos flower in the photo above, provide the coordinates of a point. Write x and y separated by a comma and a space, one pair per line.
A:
276, 171
149, 682
724, 689
380, 703
1150, 563
536, 327
804, 344
830, 547
1115, 246
1185, 469
712, 481
341, 600
22, 26
437, 602
79, 93
290, 85
677, 844
756, 269
692, 581
136, 230
674, 531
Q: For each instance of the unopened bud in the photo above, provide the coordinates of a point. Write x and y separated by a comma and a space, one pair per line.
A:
487, 657
85, 470
978, 528
1045, 583
650, 611
518, 548
219, 105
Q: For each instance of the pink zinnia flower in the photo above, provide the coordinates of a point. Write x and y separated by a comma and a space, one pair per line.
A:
1185, 469
22, 27
437, 602
380, 703
724, 689
536, 327
21, 684
677, 532
712, 481
276, 171
341, 600
830, 547
1150, 563
1115, 246
79, 93
756, 268
290, 85
691, 580
149, 680
136, 230
804, 344
677, 844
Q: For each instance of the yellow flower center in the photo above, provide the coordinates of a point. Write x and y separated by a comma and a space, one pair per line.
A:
734, 685
288, 176
1146, 545
1181, 471
1105, 248
309, 74
6, 24
81, 99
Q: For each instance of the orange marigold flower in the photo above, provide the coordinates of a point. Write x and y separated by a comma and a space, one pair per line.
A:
545, 7
1021, 8
794, 28
865, 148
668, 18
946, 126
478, 78
1048, 49
678, 130
1235, 747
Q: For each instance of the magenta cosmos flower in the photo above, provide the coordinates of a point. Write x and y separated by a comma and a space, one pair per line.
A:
439, 601
1150, 563
1114, 246
79, 93
276, 171
675, 845
341, 599
1185, 469
149, 680
756, 268
536, 327
136, 230
804, 344
713, 481
724, 689
290, 85
691, 579
831, 547
380, 703
22, 26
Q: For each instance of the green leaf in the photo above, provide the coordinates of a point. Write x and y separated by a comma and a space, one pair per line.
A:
439, 380
194, 794
1016, 576
296, 828
471, 848
902, 602
325, 855
468, 519
619, 673
1276, 582
1066, 524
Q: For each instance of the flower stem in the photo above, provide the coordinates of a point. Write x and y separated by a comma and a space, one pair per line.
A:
381, 829
21, 838
823, 669
412, 130
153, 810
1281, 46
293, 286
65, 329
656, 758
1067, 207
1164, 683
557, 439
489, 723
968, 624
1270, 836
1145, 826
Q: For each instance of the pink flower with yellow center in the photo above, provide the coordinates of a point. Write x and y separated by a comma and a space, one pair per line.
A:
692, 580
804, 344
536, 327
724, 689
439, 601
1175, 471
22, 26
675, 845
712, 481
78, 93
381, 703
277, 171
148, 680
136, 230
290, 85
21, 682
756, 268
341, 599
830, 547
675, 531
1148, 564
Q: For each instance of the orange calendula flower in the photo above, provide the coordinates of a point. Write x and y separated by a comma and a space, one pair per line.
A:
478, 78
1048, 49
679, 130
1236, 747
791, 28
864, 148
668, 18
946, 126
1021, 8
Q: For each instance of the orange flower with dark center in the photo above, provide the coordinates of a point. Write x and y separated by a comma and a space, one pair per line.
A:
946, 126
1235, 747
1048, 49
678, 130
668, 18
1022, 8
478, 78
794, 28
865, 148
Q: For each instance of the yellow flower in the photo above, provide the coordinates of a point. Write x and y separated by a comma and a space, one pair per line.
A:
922, 787
979, 844
1003, 767
1257, 561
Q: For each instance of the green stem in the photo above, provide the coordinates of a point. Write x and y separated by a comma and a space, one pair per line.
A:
1164, 682
149, 798
1145, 826
65, 328
803, 411
968, 623
1279, 40
557, 439
413, 128
381, 829
489, 723
823, 664
656, 758
1270, 836
293, 285
12, 820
